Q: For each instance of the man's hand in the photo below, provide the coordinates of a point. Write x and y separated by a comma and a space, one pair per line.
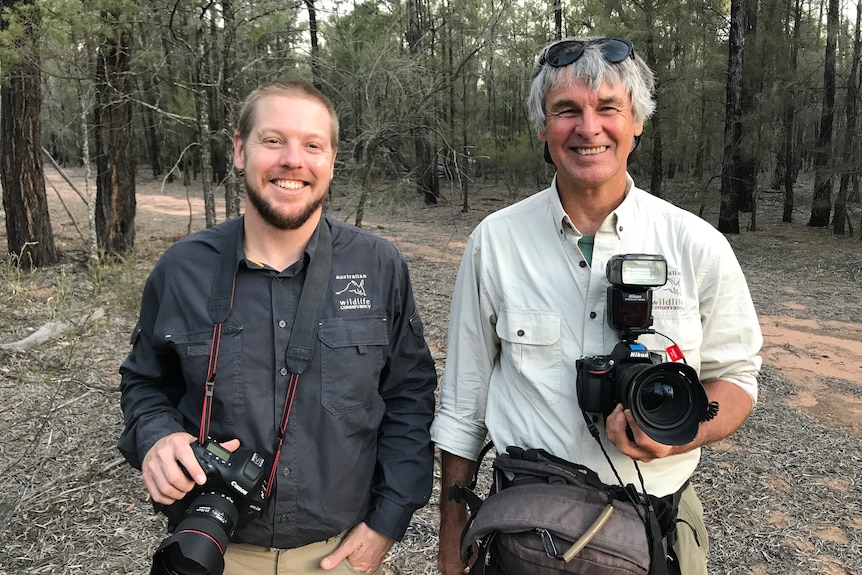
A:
634, 443
734, 406
164, 477
362, 547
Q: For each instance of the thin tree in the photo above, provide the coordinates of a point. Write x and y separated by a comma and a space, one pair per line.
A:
728, 216
315, 48
200, 84
28, 224
821, 204
791, 162
231, 103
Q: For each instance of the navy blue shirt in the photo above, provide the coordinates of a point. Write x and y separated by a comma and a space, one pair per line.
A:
357, 446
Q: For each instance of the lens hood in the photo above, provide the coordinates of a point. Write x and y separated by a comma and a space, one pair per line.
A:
667, 400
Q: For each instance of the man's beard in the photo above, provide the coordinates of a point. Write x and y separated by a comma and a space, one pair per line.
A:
272, 217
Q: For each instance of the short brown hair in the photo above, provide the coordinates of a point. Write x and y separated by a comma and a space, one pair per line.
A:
284, 87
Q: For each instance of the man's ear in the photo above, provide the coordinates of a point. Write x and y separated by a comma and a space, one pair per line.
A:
548, 158
238, 152
635, 151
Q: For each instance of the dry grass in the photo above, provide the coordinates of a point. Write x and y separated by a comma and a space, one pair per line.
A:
782, 495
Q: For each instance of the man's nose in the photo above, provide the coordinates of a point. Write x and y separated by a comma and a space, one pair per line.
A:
291, 154
590, 123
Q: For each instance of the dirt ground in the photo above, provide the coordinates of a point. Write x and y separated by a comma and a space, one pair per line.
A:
783, 495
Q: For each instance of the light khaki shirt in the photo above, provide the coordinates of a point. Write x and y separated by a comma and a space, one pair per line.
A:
527, 306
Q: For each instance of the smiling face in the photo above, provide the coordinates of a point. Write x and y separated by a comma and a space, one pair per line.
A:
288, 158
589, 136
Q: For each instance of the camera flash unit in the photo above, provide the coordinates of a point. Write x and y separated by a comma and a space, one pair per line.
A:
632, 278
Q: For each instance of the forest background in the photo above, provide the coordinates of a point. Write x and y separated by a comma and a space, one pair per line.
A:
115, 129
750, 94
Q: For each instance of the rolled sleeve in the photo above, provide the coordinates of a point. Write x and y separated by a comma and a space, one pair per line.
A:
731, 332
472, 350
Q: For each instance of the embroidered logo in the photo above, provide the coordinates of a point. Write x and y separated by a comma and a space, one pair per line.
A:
351, 288
668, 298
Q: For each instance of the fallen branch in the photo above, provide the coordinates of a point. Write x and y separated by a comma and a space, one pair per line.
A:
49, 331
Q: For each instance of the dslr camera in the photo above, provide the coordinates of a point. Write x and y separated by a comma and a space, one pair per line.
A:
667, 399
202, 523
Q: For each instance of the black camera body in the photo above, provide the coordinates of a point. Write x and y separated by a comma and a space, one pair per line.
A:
667, 399
203, 522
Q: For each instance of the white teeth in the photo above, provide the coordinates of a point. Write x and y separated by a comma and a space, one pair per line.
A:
591, 151
288, 184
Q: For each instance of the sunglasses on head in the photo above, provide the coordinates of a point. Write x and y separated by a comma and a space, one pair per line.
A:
565, 52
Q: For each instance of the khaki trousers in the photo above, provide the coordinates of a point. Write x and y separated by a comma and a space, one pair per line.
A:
692, 543
241, 559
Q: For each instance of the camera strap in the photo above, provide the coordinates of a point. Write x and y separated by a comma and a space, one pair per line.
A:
303, 335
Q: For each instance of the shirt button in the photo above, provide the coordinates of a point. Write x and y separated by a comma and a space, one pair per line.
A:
583, 264
592, 315
281, 323
283, 371
285, 471
283, 519
620, 228
520, 333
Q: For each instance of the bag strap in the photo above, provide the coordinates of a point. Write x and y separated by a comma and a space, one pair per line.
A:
460, 492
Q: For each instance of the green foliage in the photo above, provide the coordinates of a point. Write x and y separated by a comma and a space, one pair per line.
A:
466, 89
19, 35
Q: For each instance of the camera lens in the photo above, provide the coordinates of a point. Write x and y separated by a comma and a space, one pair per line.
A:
199, 541
666, 400
173, 562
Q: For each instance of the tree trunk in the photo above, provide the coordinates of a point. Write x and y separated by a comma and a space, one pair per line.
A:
790, 156
657, 168
838, 222
747, 161
821, 205
728, 217
199, 84
558, 19
315, 49
231, 103
218, 157
115, 177
425, 153
28, 223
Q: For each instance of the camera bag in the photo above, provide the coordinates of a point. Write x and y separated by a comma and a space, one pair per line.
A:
547, 516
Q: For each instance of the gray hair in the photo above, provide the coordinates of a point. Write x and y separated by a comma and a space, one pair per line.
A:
593, 69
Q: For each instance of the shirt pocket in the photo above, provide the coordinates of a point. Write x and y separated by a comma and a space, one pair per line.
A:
530, 341
193, 350
353, 352
684, 330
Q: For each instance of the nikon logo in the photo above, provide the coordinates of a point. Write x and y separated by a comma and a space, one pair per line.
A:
239, 488
639, 354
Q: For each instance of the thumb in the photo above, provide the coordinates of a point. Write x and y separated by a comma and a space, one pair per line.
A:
231, 445
333, 559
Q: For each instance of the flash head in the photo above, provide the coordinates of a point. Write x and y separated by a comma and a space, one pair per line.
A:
637, 271
633, 278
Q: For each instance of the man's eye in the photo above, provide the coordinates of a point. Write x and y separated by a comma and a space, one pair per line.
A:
566, 113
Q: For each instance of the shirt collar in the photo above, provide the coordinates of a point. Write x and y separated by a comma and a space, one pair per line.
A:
310, 249
616, 221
